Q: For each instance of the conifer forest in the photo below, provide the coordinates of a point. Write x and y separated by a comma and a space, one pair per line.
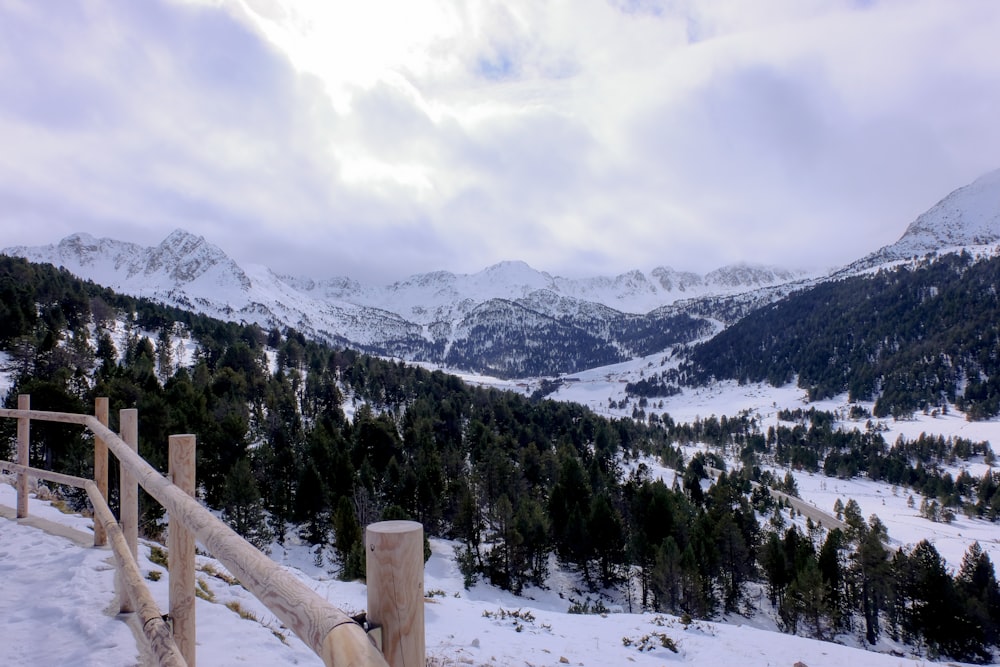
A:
295, 434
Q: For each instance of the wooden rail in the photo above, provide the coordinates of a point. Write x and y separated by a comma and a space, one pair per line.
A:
333, 635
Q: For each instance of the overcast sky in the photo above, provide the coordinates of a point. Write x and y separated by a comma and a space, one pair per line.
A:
379, 139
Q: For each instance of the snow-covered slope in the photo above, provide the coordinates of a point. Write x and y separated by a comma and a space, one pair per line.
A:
180, 261
968, 218
185, 263
482, 625
441, 295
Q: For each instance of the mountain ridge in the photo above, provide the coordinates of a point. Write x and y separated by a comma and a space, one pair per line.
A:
438, 317
433, 317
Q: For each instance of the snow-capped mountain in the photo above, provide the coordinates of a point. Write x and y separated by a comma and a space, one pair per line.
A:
181, 261
445, 296
968, 218
508, 319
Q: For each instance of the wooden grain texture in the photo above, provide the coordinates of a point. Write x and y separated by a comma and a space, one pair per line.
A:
101, 467
154, 628
44, 415
180, 548
47, 475
23, 444
128, 495
343, 648
395, 572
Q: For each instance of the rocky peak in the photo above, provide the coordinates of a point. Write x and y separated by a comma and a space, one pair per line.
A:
185, 257
748, 276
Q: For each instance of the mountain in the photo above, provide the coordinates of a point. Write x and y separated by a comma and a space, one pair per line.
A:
968, 218
180, 261
444, 296
919, 333
508, 319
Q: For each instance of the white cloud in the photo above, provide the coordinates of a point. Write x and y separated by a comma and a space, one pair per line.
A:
385, 138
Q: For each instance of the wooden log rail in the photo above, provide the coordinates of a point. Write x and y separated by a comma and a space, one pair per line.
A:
333, 635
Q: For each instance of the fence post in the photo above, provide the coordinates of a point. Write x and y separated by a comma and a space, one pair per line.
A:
23, 440
101, 467
395, 572
128, 422
180, 549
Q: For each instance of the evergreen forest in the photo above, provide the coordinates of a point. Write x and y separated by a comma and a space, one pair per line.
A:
914, 337
298, 435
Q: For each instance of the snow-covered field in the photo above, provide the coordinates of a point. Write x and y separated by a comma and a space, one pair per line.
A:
598, 388
906, 526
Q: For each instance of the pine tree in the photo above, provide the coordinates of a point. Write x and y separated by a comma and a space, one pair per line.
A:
242, 507
772, 559
311, 504
934, 610
831, 568
607, 535
569, 512
980, 595
532, 526
667, 575
347, 541
164, 354
872, 574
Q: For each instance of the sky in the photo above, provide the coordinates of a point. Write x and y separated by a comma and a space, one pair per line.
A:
381, 139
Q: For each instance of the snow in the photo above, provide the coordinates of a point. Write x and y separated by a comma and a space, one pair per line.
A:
906, 526
6, 381
595, 387
53, 585
54, 588
969, 216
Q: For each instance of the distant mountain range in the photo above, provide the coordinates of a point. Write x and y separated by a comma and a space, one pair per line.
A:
509, 319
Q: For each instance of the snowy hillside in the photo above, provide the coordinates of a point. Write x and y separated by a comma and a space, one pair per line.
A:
185, 264
968, 218
442, 295
481, 626
180, 261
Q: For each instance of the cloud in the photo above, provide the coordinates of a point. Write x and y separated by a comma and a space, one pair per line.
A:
382, 139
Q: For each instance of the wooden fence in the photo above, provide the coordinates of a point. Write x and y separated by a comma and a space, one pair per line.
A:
394, 547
